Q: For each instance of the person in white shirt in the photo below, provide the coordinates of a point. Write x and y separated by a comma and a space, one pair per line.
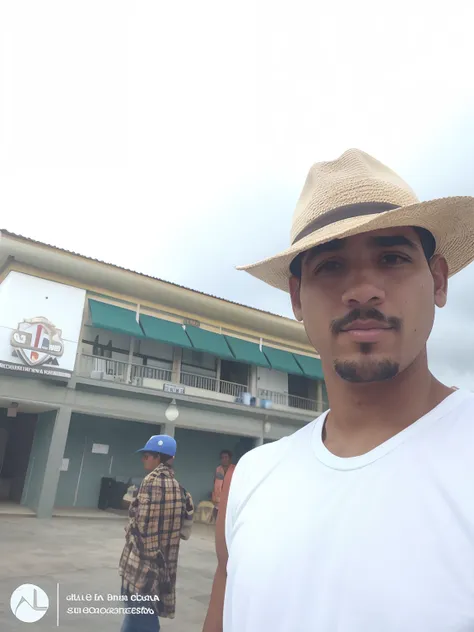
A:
379, 533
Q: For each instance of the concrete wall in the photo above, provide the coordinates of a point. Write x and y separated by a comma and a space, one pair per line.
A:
111, 402
80, 486
39, 456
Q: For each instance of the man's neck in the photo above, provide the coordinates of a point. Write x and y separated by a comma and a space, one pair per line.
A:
363, 416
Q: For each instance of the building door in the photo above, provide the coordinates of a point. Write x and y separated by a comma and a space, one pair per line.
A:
87, 461
16, 440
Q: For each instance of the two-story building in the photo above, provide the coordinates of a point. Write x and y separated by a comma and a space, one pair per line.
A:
94, 359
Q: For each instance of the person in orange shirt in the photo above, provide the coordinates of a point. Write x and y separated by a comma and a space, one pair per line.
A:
225, 468
213, 622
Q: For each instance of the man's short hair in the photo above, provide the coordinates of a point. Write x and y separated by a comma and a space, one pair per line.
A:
164, 458
428, 243
226, 452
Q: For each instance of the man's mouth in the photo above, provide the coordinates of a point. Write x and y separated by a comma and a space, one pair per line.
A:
366, 330
365, 325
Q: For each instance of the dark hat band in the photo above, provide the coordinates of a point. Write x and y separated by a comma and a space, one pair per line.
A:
344, 212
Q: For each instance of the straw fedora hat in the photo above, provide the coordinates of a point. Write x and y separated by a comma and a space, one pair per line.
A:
355, 194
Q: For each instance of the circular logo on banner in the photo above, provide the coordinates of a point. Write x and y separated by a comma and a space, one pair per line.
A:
29, 603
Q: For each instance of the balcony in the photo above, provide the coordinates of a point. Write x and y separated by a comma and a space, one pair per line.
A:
121, 372
234, 391
130, 374
285, 400
107, 370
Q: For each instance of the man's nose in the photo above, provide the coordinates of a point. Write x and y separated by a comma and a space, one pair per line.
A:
363, 293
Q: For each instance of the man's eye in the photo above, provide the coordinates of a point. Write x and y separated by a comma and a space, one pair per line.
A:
394, 259
329, 266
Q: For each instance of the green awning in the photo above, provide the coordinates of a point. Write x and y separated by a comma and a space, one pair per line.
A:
209, 342
282, 361
106, 316
245, 351
165, 331
311, 366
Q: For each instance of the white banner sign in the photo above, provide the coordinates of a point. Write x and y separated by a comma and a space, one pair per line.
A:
40, 325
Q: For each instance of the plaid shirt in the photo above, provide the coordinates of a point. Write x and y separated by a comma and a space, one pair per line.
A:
149, 560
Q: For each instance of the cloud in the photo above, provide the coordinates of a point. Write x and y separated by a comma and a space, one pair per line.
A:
174, 139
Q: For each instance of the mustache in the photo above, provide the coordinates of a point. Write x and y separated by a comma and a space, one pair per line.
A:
339, 324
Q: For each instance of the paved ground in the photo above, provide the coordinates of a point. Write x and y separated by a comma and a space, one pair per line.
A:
82, 556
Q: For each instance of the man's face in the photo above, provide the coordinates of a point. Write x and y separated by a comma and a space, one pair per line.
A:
150, 461
368, 302
225, 460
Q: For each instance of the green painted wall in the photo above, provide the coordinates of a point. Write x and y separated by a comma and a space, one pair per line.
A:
5, 422
198, 456
122, 437
38, 458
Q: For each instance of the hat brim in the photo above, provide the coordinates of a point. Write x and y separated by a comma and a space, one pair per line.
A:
141, 450
450, 220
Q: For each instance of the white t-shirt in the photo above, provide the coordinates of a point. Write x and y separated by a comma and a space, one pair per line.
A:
382, 542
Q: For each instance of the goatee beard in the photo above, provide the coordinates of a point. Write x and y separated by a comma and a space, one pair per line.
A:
367, 370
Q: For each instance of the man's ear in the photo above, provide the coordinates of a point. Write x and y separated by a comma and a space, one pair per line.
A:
295, 285
440, 271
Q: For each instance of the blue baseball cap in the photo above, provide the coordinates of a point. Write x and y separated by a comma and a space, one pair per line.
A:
160, 443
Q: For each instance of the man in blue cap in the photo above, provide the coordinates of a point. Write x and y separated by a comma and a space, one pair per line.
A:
160, 516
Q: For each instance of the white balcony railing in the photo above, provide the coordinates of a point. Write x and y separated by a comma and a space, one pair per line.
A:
118, 371
140, 372
212, 384
291, 401
103, 368
138, 375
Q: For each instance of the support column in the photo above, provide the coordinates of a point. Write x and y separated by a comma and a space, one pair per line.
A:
77, 363
177, 359
130, 360
320, 396
259, 440
168, 429
50, 481
218, 374
253, 386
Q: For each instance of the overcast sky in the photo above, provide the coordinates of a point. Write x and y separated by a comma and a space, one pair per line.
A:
174, 138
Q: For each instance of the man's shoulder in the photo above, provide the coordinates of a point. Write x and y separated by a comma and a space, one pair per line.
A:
160, 477
256, 465
258, 462
465, 397
461, 406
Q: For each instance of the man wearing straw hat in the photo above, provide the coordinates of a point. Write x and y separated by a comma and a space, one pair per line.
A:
383, 536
